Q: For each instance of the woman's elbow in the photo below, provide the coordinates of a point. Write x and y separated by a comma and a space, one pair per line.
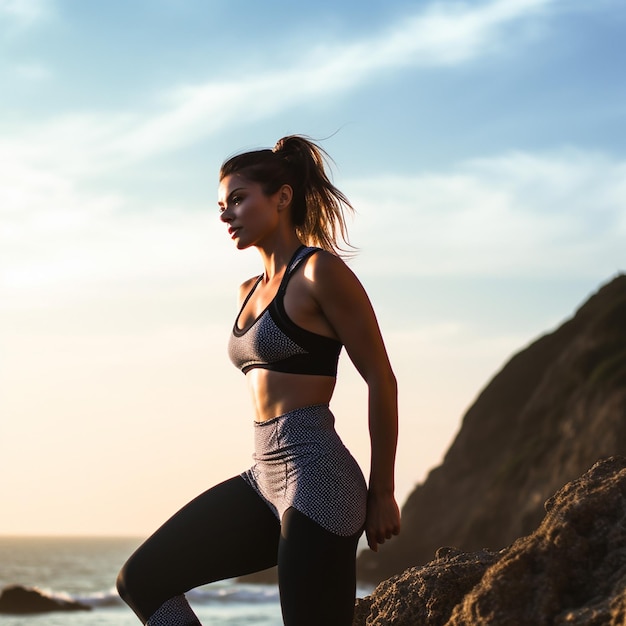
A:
383, 381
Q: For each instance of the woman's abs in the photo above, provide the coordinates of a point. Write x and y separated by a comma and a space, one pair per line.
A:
277, 393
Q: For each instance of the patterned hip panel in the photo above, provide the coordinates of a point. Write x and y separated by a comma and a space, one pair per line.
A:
301, 462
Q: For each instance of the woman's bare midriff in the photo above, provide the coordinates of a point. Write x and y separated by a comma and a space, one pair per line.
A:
276, 393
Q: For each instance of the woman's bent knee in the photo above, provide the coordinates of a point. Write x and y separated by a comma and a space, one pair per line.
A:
124, 583
132, 581
135, 588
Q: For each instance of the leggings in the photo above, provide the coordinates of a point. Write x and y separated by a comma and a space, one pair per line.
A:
229, 531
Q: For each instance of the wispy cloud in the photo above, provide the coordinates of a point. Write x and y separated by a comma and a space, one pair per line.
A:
443, 34
56, 235
518, 214
25, 12
466, 218
32, 72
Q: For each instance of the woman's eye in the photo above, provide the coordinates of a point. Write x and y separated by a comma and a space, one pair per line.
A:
237, 199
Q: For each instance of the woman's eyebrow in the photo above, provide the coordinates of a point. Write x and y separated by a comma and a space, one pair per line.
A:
230, 195
234, 191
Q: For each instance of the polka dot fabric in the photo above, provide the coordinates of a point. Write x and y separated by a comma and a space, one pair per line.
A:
301, 462
266, 345
274, 342
175, 612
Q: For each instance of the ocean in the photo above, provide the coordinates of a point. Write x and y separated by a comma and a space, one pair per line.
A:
84, 569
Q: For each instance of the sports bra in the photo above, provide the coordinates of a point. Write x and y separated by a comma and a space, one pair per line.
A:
274, 342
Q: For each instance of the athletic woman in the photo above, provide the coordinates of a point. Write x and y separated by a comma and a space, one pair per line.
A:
304, 503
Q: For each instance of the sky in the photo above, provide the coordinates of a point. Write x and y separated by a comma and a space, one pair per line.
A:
482, 144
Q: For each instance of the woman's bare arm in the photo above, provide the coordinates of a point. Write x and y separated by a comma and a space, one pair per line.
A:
345, 304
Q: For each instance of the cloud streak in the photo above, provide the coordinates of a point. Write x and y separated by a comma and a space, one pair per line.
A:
517, 214
442, 35
24, 12
445, 34
467, 218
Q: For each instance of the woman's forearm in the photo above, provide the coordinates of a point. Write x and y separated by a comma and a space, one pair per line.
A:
383, 427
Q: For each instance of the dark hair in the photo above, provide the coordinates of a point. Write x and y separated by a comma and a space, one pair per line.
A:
318, 207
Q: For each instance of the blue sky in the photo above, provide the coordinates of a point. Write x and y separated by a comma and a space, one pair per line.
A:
481, 143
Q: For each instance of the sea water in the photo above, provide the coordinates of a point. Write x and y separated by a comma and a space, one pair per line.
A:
84, 570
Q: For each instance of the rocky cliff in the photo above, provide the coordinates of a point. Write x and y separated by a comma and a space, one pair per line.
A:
569, 571
556, 408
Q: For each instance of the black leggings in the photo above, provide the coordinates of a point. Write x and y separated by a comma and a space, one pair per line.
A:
229, 531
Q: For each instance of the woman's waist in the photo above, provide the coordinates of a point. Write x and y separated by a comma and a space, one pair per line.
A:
275, 394
308, 429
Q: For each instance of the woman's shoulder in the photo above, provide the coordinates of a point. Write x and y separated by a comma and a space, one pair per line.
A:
326, 269
323, 257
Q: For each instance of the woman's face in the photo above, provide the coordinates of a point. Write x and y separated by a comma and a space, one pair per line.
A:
249, 213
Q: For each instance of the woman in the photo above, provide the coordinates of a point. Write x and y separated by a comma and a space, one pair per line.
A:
304, 503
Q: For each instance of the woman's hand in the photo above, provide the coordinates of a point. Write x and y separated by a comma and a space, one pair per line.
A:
383, 519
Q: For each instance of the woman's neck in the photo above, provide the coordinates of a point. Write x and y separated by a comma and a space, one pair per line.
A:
276, 257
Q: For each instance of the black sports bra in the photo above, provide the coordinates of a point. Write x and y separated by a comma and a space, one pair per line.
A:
274, 342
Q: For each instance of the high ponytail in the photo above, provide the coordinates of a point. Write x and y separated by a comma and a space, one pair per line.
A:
318, 208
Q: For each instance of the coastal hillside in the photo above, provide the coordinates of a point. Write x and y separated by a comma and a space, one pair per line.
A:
556, 408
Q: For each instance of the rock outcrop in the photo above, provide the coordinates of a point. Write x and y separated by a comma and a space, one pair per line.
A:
555, 409
18, 600
570, 571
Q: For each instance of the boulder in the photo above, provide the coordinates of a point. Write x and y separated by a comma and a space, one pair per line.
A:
570, 571
20, 600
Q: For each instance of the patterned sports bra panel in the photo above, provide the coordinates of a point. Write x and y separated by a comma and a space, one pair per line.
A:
274, 342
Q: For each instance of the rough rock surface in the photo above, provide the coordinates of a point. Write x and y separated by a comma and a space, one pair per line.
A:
570, 571
425, 594
555, 409
23, 600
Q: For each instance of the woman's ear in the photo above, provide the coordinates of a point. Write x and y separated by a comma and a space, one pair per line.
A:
285, 195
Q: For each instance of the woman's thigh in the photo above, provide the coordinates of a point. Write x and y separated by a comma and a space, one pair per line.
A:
225, 532
316, 572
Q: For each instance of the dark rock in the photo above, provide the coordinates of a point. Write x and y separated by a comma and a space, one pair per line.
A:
426, 594
22, 600
555, 409
570, 571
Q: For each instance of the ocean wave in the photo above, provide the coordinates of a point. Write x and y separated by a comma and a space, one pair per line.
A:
99, 599
234, 593
95, 599
223, 593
